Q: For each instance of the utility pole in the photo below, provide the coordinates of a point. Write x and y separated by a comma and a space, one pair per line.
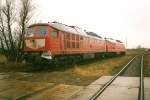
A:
1, 4
126, 41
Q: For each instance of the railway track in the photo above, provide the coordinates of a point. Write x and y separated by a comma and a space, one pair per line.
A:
141, 87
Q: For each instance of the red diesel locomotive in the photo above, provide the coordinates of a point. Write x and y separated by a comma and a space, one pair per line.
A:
55, 40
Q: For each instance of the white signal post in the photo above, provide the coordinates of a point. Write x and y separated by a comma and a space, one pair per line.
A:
126, 41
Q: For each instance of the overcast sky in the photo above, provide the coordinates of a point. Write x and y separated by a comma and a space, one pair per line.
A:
109, 18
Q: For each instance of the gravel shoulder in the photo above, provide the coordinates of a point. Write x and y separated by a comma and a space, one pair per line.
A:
133, 70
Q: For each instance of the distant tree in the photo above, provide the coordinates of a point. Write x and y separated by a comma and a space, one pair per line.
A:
139, 47
13, 27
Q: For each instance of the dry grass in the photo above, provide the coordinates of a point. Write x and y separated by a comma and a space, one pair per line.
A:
147, 65
3, 59
82, 74
101, 67
138, 51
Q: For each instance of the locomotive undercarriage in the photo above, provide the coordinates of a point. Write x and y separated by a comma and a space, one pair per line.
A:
67, 59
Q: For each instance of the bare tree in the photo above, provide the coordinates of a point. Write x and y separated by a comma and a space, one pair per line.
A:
11, 41
25, 16
9, 11
5, 28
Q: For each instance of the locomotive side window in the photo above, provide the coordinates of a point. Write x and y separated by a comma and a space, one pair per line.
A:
68, 44
67, 40
73, 37
68, 36
71, 40
77, 45
77, 37
81, 38
54, 34
77, 41
73, 44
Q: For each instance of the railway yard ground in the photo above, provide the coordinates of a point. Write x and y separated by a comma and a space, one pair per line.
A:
20, 81
81, 74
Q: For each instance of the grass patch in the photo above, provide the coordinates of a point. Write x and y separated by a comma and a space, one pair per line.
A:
102, 67
3, 59
137, 51
81, 74
147, 65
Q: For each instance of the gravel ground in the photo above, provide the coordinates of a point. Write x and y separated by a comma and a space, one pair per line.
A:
134, 68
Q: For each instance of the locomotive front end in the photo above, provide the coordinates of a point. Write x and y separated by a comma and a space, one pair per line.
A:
36, 42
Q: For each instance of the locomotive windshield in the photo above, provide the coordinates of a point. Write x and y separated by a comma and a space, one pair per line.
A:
40, 31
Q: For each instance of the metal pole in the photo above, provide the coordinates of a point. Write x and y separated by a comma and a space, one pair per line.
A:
0, 4
126, 41
141, 90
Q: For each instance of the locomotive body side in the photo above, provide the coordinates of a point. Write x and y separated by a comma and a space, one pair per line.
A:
120, 48
114, 47
49, 41
57, 40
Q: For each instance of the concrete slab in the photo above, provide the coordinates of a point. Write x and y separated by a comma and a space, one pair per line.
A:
119, 93
6, 84
120, 81
18, 75
19, 89
60, 92
102, 80
126, 81
91, 89
123, 88
86, 93
147, 93
147, 88
3, 76
146, 82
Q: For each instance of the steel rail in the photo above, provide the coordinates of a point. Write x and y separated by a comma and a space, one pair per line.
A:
97, 94
141, 88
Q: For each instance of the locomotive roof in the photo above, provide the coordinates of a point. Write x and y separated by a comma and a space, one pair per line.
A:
66, 28
113, 40
93, 34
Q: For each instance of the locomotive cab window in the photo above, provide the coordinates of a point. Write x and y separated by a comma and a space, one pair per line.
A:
42, 31
54, 34
77, 37
81, 38
73, 37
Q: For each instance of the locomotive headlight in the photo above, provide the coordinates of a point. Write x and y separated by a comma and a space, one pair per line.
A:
46, 55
